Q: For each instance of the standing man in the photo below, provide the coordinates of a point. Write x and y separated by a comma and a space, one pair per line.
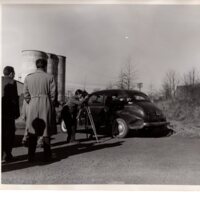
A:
10, 111
40, 94
69, 114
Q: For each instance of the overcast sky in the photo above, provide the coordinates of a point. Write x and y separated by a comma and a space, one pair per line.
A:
99, 39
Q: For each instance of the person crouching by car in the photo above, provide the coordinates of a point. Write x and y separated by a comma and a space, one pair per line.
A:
110, 115
69, 114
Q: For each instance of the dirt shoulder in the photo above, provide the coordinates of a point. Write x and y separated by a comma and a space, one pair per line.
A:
185, 128
184, 117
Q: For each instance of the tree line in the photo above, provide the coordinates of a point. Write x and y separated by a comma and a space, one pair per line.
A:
172, 80
128, 76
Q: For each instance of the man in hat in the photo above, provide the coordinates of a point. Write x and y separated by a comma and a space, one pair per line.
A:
10, 111
40, 94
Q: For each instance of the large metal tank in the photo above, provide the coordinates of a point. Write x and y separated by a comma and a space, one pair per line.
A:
52, 65
61, 78
29, 58
55, 66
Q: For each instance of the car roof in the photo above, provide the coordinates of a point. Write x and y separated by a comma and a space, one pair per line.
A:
117, 91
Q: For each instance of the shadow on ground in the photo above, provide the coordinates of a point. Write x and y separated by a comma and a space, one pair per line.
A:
61, 150
59, 153
148, 133
154, 133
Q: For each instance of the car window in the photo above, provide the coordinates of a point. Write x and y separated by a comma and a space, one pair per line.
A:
127, 98
95, 100
110, 98
122, 97
141, 97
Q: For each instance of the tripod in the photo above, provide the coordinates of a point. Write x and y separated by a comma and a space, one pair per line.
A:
88, 111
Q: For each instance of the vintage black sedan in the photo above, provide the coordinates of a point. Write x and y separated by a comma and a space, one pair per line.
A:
131, 109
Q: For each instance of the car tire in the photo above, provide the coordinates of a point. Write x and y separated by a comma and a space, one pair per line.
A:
63, 127
122, 128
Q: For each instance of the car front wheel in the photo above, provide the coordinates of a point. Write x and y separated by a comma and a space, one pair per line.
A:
63, 127
122, 128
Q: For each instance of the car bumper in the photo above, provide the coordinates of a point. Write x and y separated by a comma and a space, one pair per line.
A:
141, 124
152, 124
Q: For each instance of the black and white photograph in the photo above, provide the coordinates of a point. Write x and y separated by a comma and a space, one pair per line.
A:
101, 94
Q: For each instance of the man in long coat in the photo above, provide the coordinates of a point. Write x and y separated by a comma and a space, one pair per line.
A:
10, 111
40, 94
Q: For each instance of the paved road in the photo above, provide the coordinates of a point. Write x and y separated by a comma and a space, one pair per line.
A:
135, 160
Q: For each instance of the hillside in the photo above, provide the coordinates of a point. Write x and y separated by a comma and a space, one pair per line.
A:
184, 116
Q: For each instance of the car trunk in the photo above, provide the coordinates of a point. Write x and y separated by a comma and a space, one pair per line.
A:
153, 114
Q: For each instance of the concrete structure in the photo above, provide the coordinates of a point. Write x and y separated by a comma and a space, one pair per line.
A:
52, 65
20, 87
61, 78
29, 58
55, 66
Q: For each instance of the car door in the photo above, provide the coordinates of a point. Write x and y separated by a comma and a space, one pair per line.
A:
96, 104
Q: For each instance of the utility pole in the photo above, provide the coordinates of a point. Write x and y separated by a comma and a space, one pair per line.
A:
84, 84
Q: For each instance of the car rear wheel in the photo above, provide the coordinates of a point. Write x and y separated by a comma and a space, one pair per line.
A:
122, 128
63, 127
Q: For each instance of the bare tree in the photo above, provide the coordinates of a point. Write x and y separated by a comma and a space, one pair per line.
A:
151, 91
191, 81
121, 80
170, 83
127, 77
191, 78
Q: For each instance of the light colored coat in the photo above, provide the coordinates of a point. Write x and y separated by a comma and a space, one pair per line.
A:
40, 93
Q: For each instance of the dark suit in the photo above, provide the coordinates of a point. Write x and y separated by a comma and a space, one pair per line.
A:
10, 112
